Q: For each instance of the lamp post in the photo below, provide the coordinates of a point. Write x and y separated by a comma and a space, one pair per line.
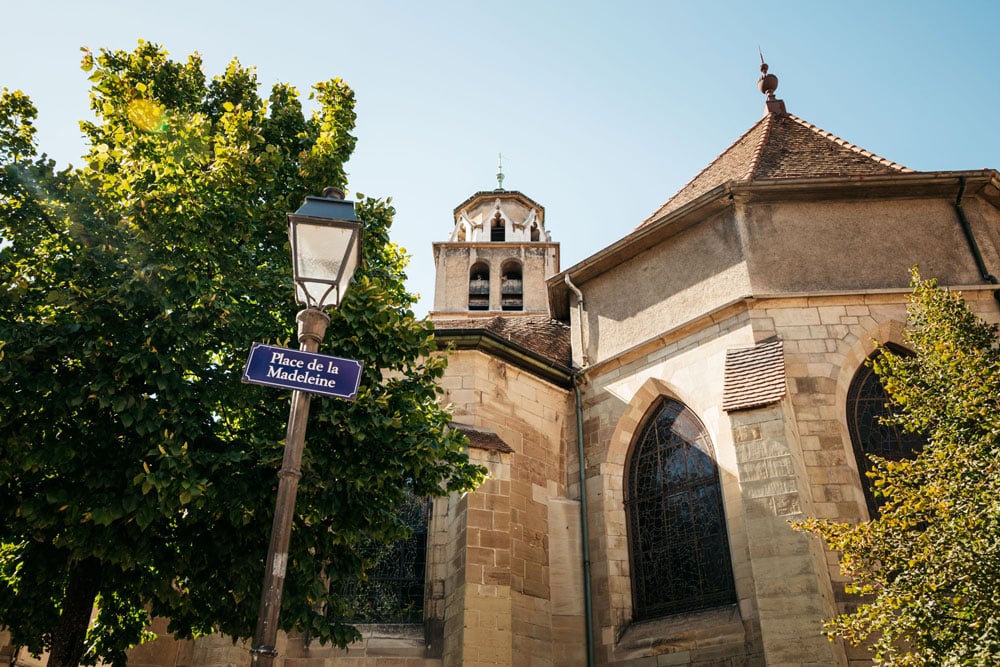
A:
325, 237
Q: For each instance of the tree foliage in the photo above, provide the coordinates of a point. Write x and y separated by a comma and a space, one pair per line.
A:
132, 458
926, 567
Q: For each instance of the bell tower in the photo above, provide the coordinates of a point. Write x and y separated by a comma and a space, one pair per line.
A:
496, 260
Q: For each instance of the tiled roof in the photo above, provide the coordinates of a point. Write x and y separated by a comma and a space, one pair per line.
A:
480, 438
779, 146
541, 335
754, 377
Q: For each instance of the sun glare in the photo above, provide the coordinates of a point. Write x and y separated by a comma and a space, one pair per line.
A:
147, 115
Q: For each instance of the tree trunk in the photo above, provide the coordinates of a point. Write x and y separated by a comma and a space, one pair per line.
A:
77, 605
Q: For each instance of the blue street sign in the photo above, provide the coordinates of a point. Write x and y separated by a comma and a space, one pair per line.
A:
304, 371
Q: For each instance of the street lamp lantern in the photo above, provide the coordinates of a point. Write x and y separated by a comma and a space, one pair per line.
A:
325, 237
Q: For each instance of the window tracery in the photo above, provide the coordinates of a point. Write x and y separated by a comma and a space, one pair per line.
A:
394, 589
678, 544
868, 404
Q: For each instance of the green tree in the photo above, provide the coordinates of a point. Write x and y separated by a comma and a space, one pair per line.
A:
136, 471
926, 567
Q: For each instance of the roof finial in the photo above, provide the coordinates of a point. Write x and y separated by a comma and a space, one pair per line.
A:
767, 84
500, 171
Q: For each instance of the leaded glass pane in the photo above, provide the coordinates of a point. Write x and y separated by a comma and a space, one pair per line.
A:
394, 590
676, 524
867, 405
674, 466
700, 464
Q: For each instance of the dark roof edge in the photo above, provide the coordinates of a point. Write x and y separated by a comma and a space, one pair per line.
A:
507, 194
489, 342
656, 229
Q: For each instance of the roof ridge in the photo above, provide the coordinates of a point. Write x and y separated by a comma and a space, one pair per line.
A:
706, 168
830, 136
759, 150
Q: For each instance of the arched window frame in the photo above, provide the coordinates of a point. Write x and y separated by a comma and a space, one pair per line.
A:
511, 286
535, 233
867, 403
677, 563
498, 229
479, 286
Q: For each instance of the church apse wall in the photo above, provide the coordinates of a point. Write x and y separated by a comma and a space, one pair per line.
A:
690, 271
814, 246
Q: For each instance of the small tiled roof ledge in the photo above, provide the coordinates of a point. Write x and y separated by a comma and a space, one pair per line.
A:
754, 376
484, 439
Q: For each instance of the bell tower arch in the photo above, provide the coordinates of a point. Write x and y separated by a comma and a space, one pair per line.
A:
496, 259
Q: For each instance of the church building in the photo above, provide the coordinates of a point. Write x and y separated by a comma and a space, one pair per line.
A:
655, 415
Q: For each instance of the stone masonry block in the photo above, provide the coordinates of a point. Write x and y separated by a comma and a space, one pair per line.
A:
784, 317
753, 471
780, 466
831, 314
759, 450
493, 539
478, 518
798, 333
788, 504
812, 346
770, 488
746, 433
856, 309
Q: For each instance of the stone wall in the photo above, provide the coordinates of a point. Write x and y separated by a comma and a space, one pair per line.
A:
454, 261
521, 536
827, 339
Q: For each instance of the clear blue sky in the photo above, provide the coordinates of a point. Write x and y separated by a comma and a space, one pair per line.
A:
602, 110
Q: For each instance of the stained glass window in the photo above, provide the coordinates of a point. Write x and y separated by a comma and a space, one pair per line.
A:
394, 590
867, 404
678, 545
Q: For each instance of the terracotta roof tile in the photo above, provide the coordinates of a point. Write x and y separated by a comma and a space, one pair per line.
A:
541, 335
754, 377
480, 438
781, 146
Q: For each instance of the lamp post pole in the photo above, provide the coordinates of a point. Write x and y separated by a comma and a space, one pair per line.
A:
312, 327
325, 239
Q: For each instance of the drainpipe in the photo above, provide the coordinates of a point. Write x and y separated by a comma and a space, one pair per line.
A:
579, 310
970, 238
584, 531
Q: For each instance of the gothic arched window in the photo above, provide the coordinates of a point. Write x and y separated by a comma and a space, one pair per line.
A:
867, 404
678, 546
479, 287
